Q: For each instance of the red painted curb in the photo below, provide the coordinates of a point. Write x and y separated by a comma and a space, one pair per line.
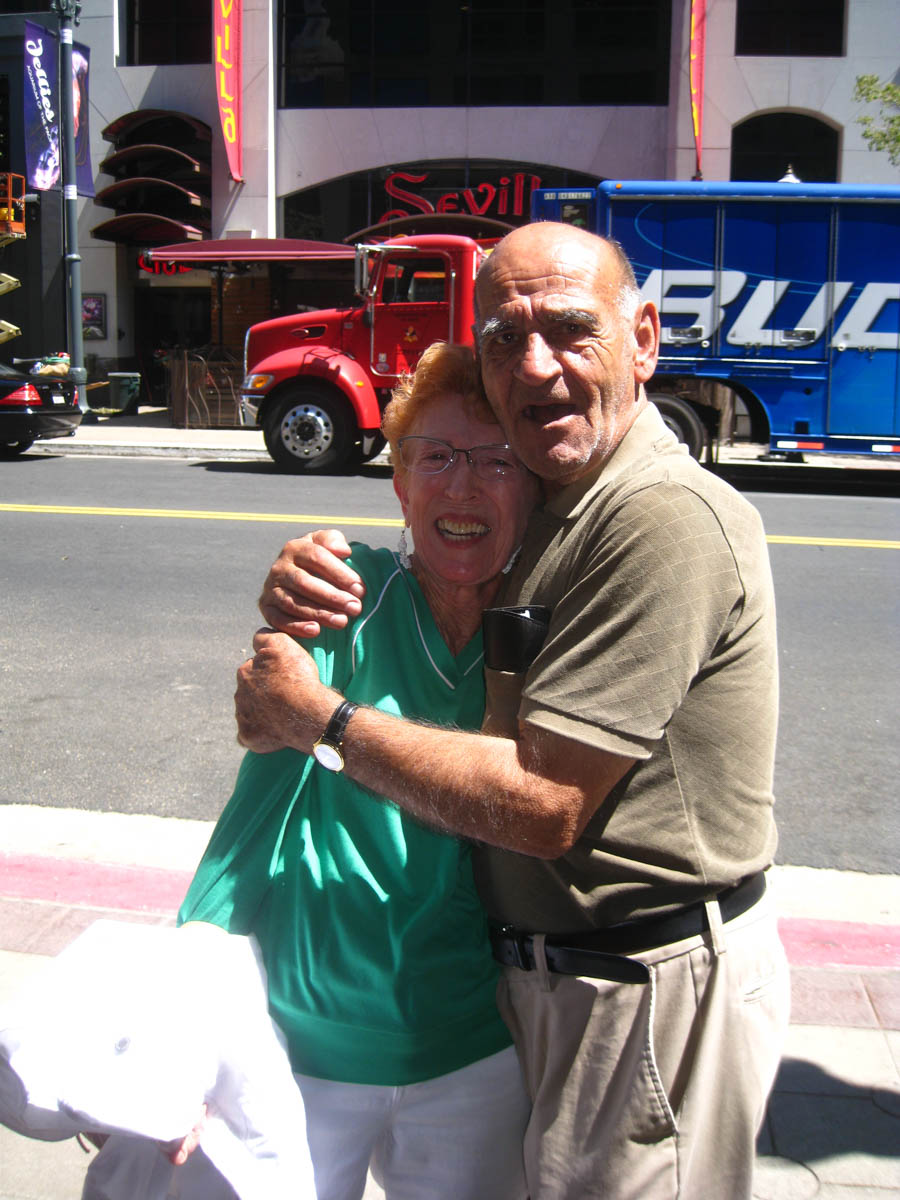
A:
809, 943
92, 885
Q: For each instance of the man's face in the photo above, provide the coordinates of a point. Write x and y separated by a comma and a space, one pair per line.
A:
558, 356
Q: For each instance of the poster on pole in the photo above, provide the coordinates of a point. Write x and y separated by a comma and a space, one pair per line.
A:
229, 80
698, 56
43, 163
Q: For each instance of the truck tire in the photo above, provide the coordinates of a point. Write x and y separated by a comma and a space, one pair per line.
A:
682, 420
14, 449
309, 430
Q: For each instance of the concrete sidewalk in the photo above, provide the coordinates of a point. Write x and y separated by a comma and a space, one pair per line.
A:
833, 1125
150, 432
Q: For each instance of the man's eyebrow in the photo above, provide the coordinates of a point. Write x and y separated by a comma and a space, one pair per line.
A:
581, 316
494, 325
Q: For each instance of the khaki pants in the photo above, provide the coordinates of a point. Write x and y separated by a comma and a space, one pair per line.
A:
653, 1091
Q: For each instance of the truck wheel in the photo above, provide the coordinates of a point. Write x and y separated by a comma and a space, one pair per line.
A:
309, 430
14, 449
682, 420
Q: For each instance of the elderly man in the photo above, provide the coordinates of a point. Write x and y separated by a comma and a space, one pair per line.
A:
621, 790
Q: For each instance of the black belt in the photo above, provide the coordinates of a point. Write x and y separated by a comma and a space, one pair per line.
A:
602, 953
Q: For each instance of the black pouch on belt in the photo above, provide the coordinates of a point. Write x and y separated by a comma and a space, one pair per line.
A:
513, 636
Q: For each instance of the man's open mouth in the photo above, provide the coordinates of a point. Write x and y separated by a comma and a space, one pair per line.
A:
546, 414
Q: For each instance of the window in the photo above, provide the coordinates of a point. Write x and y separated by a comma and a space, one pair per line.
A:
4, 123
405, 53
762, 148
417, 281
168, 32
809, 28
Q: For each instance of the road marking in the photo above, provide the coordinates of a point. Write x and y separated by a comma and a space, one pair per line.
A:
201, 515
319, 519
777, 539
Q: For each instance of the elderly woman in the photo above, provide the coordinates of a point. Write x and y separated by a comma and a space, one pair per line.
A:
379, 969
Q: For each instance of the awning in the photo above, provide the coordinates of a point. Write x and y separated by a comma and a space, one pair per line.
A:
467, 224
249, 250
168, 125
143, 229
148, 158
149, 193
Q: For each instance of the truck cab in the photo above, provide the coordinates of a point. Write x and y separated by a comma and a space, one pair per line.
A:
318, 382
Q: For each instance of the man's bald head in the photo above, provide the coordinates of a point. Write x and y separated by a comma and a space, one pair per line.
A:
566, 344
553, 241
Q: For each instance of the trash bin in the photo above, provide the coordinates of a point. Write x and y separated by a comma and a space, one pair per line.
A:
124, 390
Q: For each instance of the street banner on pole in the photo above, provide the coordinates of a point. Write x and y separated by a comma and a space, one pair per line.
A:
229, 80
41, 104
698, 55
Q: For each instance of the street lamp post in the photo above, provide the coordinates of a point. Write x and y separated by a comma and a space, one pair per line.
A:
69, 12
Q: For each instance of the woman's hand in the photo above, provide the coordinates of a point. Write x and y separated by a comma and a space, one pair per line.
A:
309, 587
280, 700
178, 1152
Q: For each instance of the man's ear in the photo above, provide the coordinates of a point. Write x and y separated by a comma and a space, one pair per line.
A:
646, 337
402, 495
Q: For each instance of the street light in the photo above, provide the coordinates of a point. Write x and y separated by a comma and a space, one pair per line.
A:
69, 12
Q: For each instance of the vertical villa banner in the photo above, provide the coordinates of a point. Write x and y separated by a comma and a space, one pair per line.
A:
698, 55
229, 80
41, 110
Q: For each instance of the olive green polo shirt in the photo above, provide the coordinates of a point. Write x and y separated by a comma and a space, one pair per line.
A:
661, 648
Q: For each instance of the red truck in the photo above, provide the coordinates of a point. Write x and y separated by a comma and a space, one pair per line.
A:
317, 382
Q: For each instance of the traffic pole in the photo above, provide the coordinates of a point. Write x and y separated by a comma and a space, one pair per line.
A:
69, 12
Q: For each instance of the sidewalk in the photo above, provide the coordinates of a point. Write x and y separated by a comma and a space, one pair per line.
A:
833, 1125
150, 431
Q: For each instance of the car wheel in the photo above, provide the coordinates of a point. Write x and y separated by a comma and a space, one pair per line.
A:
14, 449
309, 430
683, 422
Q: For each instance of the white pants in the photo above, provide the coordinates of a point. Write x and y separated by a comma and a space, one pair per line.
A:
457, 1137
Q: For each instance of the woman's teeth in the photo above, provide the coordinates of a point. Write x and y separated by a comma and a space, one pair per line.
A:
462, 529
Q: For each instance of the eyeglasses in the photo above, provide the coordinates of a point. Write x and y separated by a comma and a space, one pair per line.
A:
430, 456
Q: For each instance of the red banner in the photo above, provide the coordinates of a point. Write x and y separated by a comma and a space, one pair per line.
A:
229, 81
698, 54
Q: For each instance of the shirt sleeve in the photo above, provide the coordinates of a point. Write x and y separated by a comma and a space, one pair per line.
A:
652, 592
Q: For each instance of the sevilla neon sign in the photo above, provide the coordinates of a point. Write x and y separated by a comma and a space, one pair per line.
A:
509, 197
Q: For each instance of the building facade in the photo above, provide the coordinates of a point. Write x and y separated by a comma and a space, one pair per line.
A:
354, 111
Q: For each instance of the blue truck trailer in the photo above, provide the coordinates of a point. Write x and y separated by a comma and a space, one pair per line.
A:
778, 301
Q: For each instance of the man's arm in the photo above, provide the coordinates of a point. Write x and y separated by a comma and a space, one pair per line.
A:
309, 586
534, 794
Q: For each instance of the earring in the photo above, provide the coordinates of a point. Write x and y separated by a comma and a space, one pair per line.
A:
403, 551
512, 561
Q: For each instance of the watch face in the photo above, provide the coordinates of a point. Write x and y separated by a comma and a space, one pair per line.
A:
328, 756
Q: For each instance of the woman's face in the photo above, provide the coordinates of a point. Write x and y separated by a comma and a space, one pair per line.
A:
464, 527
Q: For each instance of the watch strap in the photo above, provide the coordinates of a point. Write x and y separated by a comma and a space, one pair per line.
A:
337, 726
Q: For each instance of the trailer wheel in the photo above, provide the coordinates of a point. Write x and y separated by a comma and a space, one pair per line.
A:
682, 420
309, 430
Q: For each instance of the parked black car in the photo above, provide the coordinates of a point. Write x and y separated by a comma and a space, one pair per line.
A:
34, 406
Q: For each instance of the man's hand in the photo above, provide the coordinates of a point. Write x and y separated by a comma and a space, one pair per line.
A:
280, 700
309, 586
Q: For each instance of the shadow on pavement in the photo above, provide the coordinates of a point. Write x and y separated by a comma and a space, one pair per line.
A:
813, 1115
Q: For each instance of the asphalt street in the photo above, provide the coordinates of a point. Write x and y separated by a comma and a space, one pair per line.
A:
122, 633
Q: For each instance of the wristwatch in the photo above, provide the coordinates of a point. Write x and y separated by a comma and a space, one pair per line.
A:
327, 750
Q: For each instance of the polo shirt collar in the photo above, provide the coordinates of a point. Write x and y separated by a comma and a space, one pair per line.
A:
647, 436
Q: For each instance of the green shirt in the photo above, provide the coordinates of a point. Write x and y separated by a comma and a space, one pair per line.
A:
373, 937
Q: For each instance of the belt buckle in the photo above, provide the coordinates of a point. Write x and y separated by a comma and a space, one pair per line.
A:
517, 939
